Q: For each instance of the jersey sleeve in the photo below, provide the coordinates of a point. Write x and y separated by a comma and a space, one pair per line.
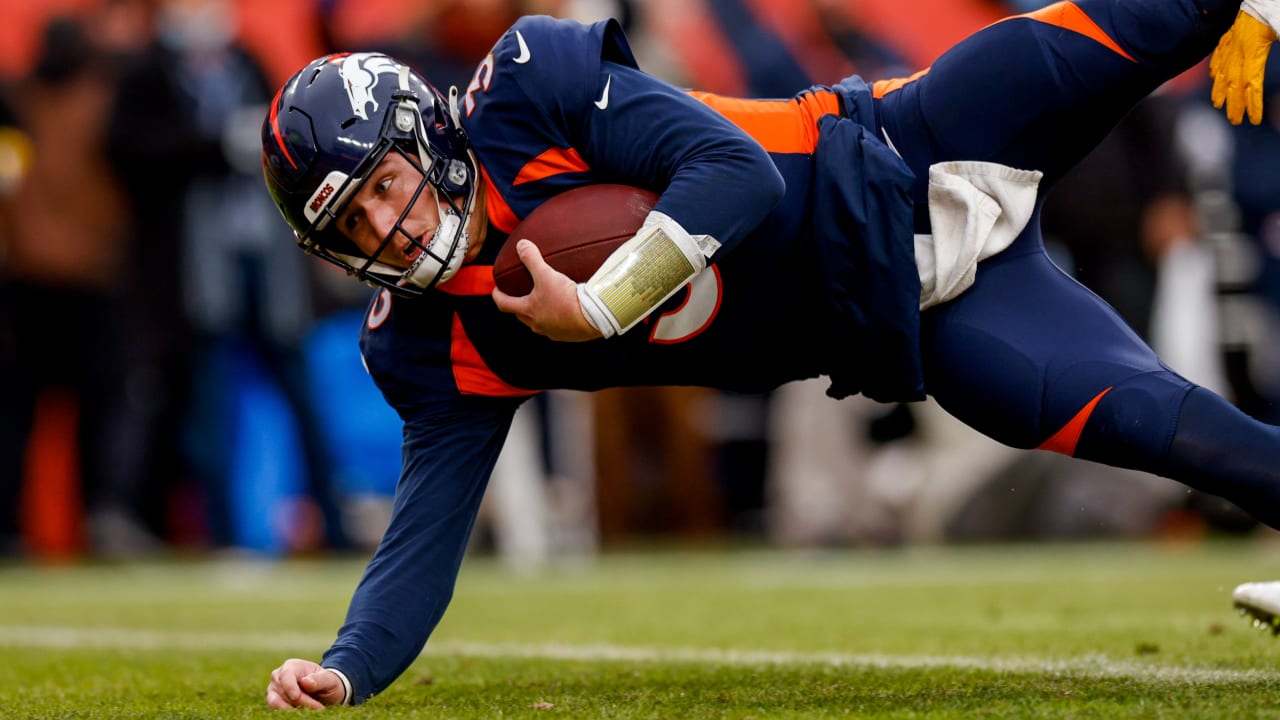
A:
630, 127
718, 181
449, 453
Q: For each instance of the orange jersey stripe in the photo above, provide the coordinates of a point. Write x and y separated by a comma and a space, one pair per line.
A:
470, 280
470, 371
496, 207
880, 88
780, 126
551, 162
1069, 15
1064, 441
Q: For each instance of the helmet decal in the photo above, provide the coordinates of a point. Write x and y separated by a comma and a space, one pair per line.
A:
324, 194
359, 74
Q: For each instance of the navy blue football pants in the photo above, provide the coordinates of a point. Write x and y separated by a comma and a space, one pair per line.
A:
1027, 355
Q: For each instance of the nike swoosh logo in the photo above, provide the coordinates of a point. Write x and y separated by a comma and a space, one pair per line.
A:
603, 102
524, 55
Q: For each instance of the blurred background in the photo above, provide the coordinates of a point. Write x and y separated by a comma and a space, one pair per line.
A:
176, 379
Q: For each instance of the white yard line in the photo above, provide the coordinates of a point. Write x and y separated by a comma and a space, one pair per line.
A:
1094, 666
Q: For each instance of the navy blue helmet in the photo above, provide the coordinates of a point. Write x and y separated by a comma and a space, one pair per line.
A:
328, 128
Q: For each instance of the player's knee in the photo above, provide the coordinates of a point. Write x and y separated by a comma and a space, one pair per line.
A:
1133, 423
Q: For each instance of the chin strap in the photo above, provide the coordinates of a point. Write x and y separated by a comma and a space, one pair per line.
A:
427, 266
1238, 65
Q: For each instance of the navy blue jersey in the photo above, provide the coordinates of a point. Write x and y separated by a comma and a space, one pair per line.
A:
558, 105
816, 276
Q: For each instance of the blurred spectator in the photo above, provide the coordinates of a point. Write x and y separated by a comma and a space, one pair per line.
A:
186, 140
15, 158
283, 35
65, 240
21, 33
766, 48
919, 31
450, 37
653, 470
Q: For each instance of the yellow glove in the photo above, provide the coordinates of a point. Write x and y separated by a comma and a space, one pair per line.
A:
1238, 65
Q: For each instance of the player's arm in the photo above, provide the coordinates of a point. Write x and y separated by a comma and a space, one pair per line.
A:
1239, 63
717, 185
581, 85
716, 182
449, 451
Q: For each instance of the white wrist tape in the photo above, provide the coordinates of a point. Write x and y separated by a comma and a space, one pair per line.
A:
595, 313
346, 685
1267, 11
642, 273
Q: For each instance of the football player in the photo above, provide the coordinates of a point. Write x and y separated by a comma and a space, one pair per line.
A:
884, 236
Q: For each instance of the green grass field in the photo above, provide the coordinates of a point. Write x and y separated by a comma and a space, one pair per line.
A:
1081, 631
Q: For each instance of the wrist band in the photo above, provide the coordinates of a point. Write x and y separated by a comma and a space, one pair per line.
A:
642, 273
346, 685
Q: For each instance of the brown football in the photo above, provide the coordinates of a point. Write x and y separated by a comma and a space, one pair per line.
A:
575, 230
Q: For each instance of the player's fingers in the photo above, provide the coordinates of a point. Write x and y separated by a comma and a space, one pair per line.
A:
1220, 94
515, 304
279, 684
310, 703
275, 701
1217, 71
1253, 106
285, 684
501, 299
1235, 101
1226, 66
1255, 68
532, 259
1219, 55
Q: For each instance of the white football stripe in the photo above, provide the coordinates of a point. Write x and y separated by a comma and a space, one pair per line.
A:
1093, 666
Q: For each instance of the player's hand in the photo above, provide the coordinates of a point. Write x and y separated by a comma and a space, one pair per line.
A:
302, 683
552, 308
1238, 66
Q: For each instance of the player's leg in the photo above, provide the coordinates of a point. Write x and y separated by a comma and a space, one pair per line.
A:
1033, 359
1038, 92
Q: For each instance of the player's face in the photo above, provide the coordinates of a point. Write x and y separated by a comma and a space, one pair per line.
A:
373, 213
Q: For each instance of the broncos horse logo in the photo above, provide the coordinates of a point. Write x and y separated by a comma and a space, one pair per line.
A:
359, 74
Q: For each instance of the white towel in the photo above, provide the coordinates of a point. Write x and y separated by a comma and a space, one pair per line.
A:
1268, 11
976, 209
